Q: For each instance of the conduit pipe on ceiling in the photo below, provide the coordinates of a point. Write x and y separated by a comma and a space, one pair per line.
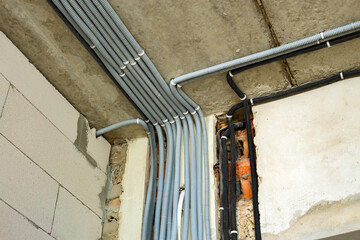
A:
90, 19
270, 53
137, 97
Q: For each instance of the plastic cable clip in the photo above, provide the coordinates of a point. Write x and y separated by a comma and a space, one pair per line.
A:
137, 58
221, 209
243, 98
328, 43
176, 116
137, 121
230, 74
224, 137
193, 112
179, 86
92, 46
165, 120
228, 116
182, 117
122, 75
186, 112
322, 35
133, 63
126, 62
197, 108
251, 101
142, 53
123, 67
233, 231
155, 124
162, 125
341, 75
147, 120
172, 121
172, 83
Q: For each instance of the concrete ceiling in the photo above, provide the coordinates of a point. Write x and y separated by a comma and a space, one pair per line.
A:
181, 37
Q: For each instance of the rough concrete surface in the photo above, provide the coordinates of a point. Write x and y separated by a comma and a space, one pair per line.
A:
179, 37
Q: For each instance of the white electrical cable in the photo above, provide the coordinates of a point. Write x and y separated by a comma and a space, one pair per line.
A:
179, 215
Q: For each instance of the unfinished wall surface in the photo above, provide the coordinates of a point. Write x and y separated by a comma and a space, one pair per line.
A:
309, 162
53, 168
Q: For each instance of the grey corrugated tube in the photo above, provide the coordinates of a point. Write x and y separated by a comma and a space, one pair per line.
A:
111, 47
167, 184
193, 172
185, 225
138, 74
206, 161
173, 228
137, 47
270, 53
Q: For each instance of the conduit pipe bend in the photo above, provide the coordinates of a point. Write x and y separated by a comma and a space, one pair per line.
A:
204, 138
193, 163
129, 86
151, 191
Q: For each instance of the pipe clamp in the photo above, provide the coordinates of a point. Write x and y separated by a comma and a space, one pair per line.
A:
341, 75
142, 53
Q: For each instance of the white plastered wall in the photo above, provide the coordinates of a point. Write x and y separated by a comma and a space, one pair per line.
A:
308, 162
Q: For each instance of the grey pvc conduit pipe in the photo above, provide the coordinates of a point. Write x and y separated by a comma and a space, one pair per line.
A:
115, 57
102, 24
206, 161
270, 53
193, 161
173, 228
167, 184
128, 46
98, 31
170, 119
139, 50
185, 225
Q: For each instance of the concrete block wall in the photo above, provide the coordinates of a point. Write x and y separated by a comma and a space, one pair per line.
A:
53, 168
